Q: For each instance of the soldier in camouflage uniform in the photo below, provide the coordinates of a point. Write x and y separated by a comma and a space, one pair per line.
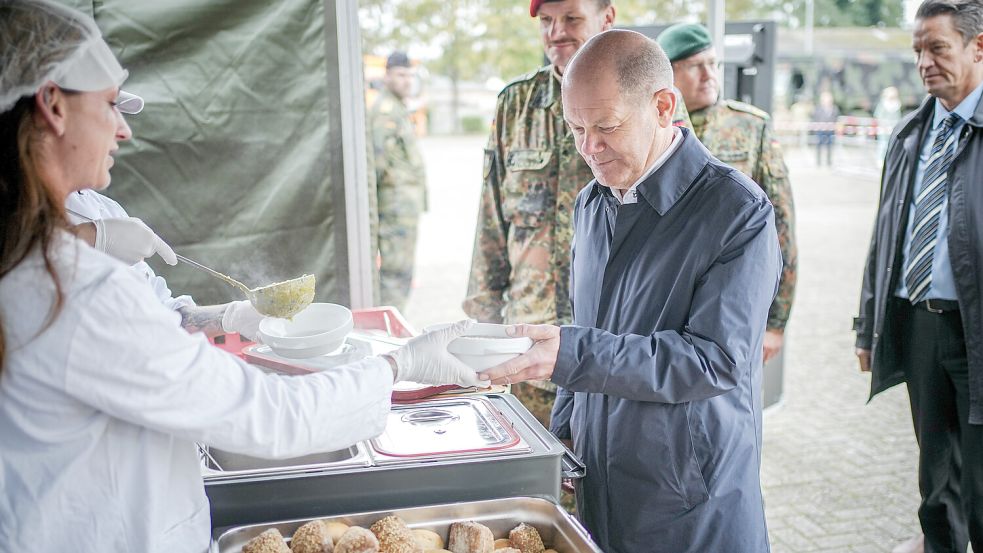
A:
520, 269
737, 134
400, 181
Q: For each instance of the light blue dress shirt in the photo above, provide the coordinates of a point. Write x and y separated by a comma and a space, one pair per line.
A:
943, 284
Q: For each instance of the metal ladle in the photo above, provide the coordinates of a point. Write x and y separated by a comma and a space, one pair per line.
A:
283, 299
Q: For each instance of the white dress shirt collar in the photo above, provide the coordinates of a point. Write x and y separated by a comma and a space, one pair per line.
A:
630, 196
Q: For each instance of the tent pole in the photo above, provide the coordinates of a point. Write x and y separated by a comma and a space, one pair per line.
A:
352, 96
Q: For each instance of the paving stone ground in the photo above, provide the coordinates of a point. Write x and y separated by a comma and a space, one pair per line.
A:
838, 474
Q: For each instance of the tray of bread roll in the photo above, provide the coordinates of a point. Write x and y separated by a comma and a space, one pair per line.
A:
509, 525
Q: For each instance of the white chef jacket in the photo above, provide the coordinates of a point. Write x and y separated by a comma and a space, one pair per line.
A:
94, 205
99, 412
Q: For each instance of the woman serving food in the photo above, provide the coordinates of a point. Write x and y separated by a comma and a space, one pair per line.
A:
102, 393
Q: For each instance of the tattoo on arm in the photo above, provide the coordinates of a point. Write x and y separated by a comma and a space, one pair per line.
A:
206, 318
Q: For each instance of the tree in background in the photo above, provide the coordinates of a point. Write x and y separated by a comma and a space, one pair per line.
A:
465, 39
844, 13
476, 40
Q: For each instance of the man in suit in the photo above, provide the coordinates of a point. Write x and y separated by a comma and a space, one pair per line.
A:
921, 309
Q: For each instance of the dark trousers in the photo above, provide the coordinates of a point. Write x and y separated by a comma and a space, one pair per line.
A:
824, 139
950, 462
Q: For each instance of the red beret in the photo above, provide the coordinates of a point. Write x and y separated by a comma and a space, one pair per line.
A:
534, 7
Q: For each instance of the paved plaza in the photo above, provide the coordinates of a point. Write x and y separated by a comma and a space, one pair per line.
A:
838, 473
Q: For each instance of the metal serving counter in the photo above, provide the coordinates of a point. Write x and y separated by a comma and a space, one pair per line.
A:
437, 451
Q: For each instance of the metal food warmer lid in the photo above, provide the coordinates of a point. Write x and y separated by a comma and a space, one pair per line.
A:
559, 530
446, 429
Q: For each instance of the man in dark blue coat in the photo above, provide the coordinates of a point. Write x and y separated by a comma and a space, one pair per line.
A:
675, 264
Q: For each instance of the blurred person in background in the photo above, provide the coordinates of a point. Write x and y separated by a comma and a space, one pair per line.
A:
824, 116
801, 111
401, 183
520, 268
888, 113
740, 135
921, 304
102, 394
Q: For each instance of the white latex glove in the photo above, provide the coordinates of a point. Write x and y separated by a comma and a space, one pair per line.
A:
425, 359
130, 240
242, 317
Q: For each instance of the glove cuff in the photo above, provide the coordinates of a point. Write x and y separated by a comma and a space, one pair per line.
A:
400, 358
393, 364
229, 316
101, 236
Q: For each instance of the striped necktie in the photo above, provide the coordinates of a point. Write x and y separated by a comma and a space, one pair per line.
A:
928, 211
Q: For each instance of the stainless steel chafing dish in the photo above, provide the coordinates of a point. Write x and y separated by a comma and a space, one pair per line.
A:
559, 530
457, 449
221, 464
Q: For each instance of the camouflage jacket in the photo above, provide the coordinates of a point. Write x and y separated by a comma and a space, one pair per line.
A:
739, 134
520, 268
400, 176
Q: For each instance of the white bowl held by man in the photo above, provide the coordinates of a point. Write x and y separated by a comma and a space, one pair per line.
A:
485, 345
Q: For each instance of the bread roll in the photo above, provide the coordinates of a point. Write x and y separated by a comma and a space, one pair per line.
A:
336, 530
312, 537
502, 543
394, 536
270, 541
470, 537
357, 540
428, 539
526, 539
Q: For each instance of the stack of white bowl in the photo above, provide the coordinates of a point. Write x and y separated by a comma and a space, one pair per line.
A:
320, 329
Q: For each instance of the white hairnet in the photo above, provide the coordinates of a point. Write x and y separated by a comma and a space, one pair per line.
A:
41, 41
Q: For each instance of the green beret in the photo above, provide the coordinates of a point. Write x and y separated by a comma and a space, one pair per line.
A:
682, 40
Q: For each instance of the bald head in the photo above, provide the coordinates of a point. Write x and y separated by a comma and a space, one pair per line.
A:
618, 102
637, 62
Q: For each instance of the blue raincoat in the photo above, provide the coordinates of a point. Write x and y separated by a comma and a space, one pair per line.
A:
660, 375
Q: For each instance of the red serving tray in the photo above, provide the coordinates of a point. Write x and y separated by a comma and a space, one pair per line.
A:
385, 318
232, 343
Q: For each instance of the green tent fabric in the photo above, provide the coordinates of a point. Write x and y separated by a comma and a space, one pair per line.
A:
236, 158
